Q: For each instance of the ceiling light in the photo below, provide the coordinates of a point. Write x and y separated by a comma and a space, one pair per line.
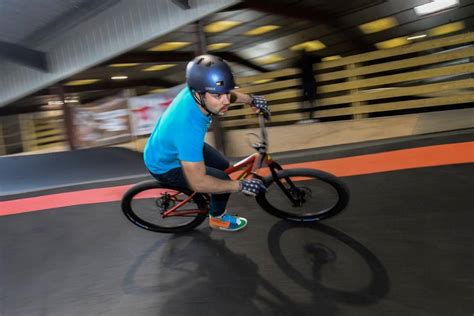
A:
220, 26
71, 100
269, 59
330, 58
124, 65
394, 42
55, 103
159, 67
416, 37
119, 77
435, 6
217, 46
80, 82
167, 46
446, 29
309, 46
262, 30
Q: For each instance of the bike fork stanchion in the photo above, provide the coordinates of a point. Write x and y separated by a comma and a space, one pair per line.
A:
281, 185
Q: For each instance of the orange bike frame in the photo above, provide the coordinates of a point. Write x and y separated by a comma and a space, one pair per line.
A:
251, 164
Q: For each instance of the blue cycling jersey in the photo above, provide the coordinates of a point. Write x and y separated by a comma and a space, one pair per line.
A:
178, 135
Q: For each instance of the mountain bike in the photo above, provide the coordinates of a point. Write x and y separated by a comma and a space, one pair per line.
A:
299, 195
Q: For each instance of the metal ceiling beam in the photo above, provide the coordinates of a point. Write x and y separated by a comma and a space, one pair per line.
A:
24, 56
230, 56
116, 84
303, 12
127, 24
32, 104
151, 57
164, 57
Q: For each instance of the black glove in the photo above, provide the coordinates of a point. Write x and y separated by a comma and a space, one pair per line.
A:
252, 187
259, 102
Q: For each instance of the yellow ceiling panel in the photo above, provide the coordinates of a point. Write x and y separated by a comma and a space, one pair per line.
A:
123, 65
168, 46
262, 30
309, 46
394, 42
81, 82
220, 26
269, 59
330, 58
159, 67
158, 90
262, 81
378, 25
446, 29
217, 46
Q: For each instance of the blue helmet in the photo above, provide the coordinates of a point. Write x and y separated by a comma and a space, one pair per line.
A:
209, 73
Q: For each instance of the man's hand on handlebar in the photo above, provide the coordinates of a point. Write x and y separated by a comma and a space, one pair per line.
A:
252, 187
260, 104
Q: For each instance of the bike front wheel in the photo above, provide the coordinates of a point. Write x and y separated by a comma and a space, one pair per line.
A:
147, 205
303, 195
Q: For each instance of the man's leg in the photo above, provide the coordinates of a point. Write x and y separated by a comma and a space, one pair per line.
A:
216, 163
176, 177
218, 201
214, 159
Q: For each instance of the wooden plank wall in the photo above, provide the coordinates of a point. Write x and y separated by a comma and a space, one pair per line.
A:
10, 135
43, 130
303, 136
404, 78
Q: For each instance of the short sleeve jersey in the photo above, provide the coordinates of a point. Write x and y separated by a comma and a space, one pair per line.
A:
178, 135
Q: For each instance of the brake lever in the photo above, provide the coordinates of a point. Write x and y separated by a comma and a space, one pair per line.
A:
265, 113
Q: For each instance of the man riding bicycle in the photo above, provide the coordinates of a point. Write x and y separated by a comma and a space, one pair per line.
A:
176, 154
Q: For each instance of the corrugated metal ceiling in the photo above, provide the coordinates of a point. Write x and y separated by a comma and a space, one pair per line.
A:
19, 19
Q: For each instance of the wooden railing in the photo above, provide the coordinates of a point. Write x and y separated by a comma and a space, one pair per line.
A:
370, 83
10, 136
42, 130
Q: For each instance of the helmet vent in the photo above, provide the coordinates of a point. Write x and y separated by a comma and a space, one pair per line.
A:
200, 60
210, 63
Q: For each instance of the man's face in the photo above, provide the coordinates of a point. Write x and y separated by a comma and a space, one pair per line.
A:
217, 103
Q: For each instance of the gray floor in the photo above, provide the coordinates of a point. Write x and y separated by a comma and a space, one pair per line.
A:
402, 247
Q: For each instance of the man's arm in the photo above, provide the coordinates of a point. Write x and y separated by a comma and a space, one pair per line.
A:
239, 97
256, 102
195, 173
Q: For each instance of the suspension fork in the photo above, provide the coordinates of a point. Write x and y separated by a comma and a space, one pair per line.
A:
274, 167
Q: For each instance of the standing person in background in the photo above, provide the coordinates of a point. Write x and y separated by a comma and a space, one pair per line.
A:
309, 84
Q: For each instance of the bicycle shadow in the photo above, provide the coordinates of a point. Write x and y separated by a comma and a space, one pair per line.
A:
321, 256
195, 274
206, 277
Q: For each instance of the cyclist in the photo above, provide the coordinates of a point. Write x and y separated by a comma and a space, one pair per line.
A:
176, 154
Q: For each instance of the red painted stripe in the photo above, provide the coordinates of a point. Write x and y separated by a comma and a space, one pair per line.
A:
365, 164
429, 156
45, 202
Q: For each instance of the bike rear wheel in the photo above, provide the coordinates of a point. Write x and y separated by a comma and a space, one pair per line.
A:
145, 203
303, 195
